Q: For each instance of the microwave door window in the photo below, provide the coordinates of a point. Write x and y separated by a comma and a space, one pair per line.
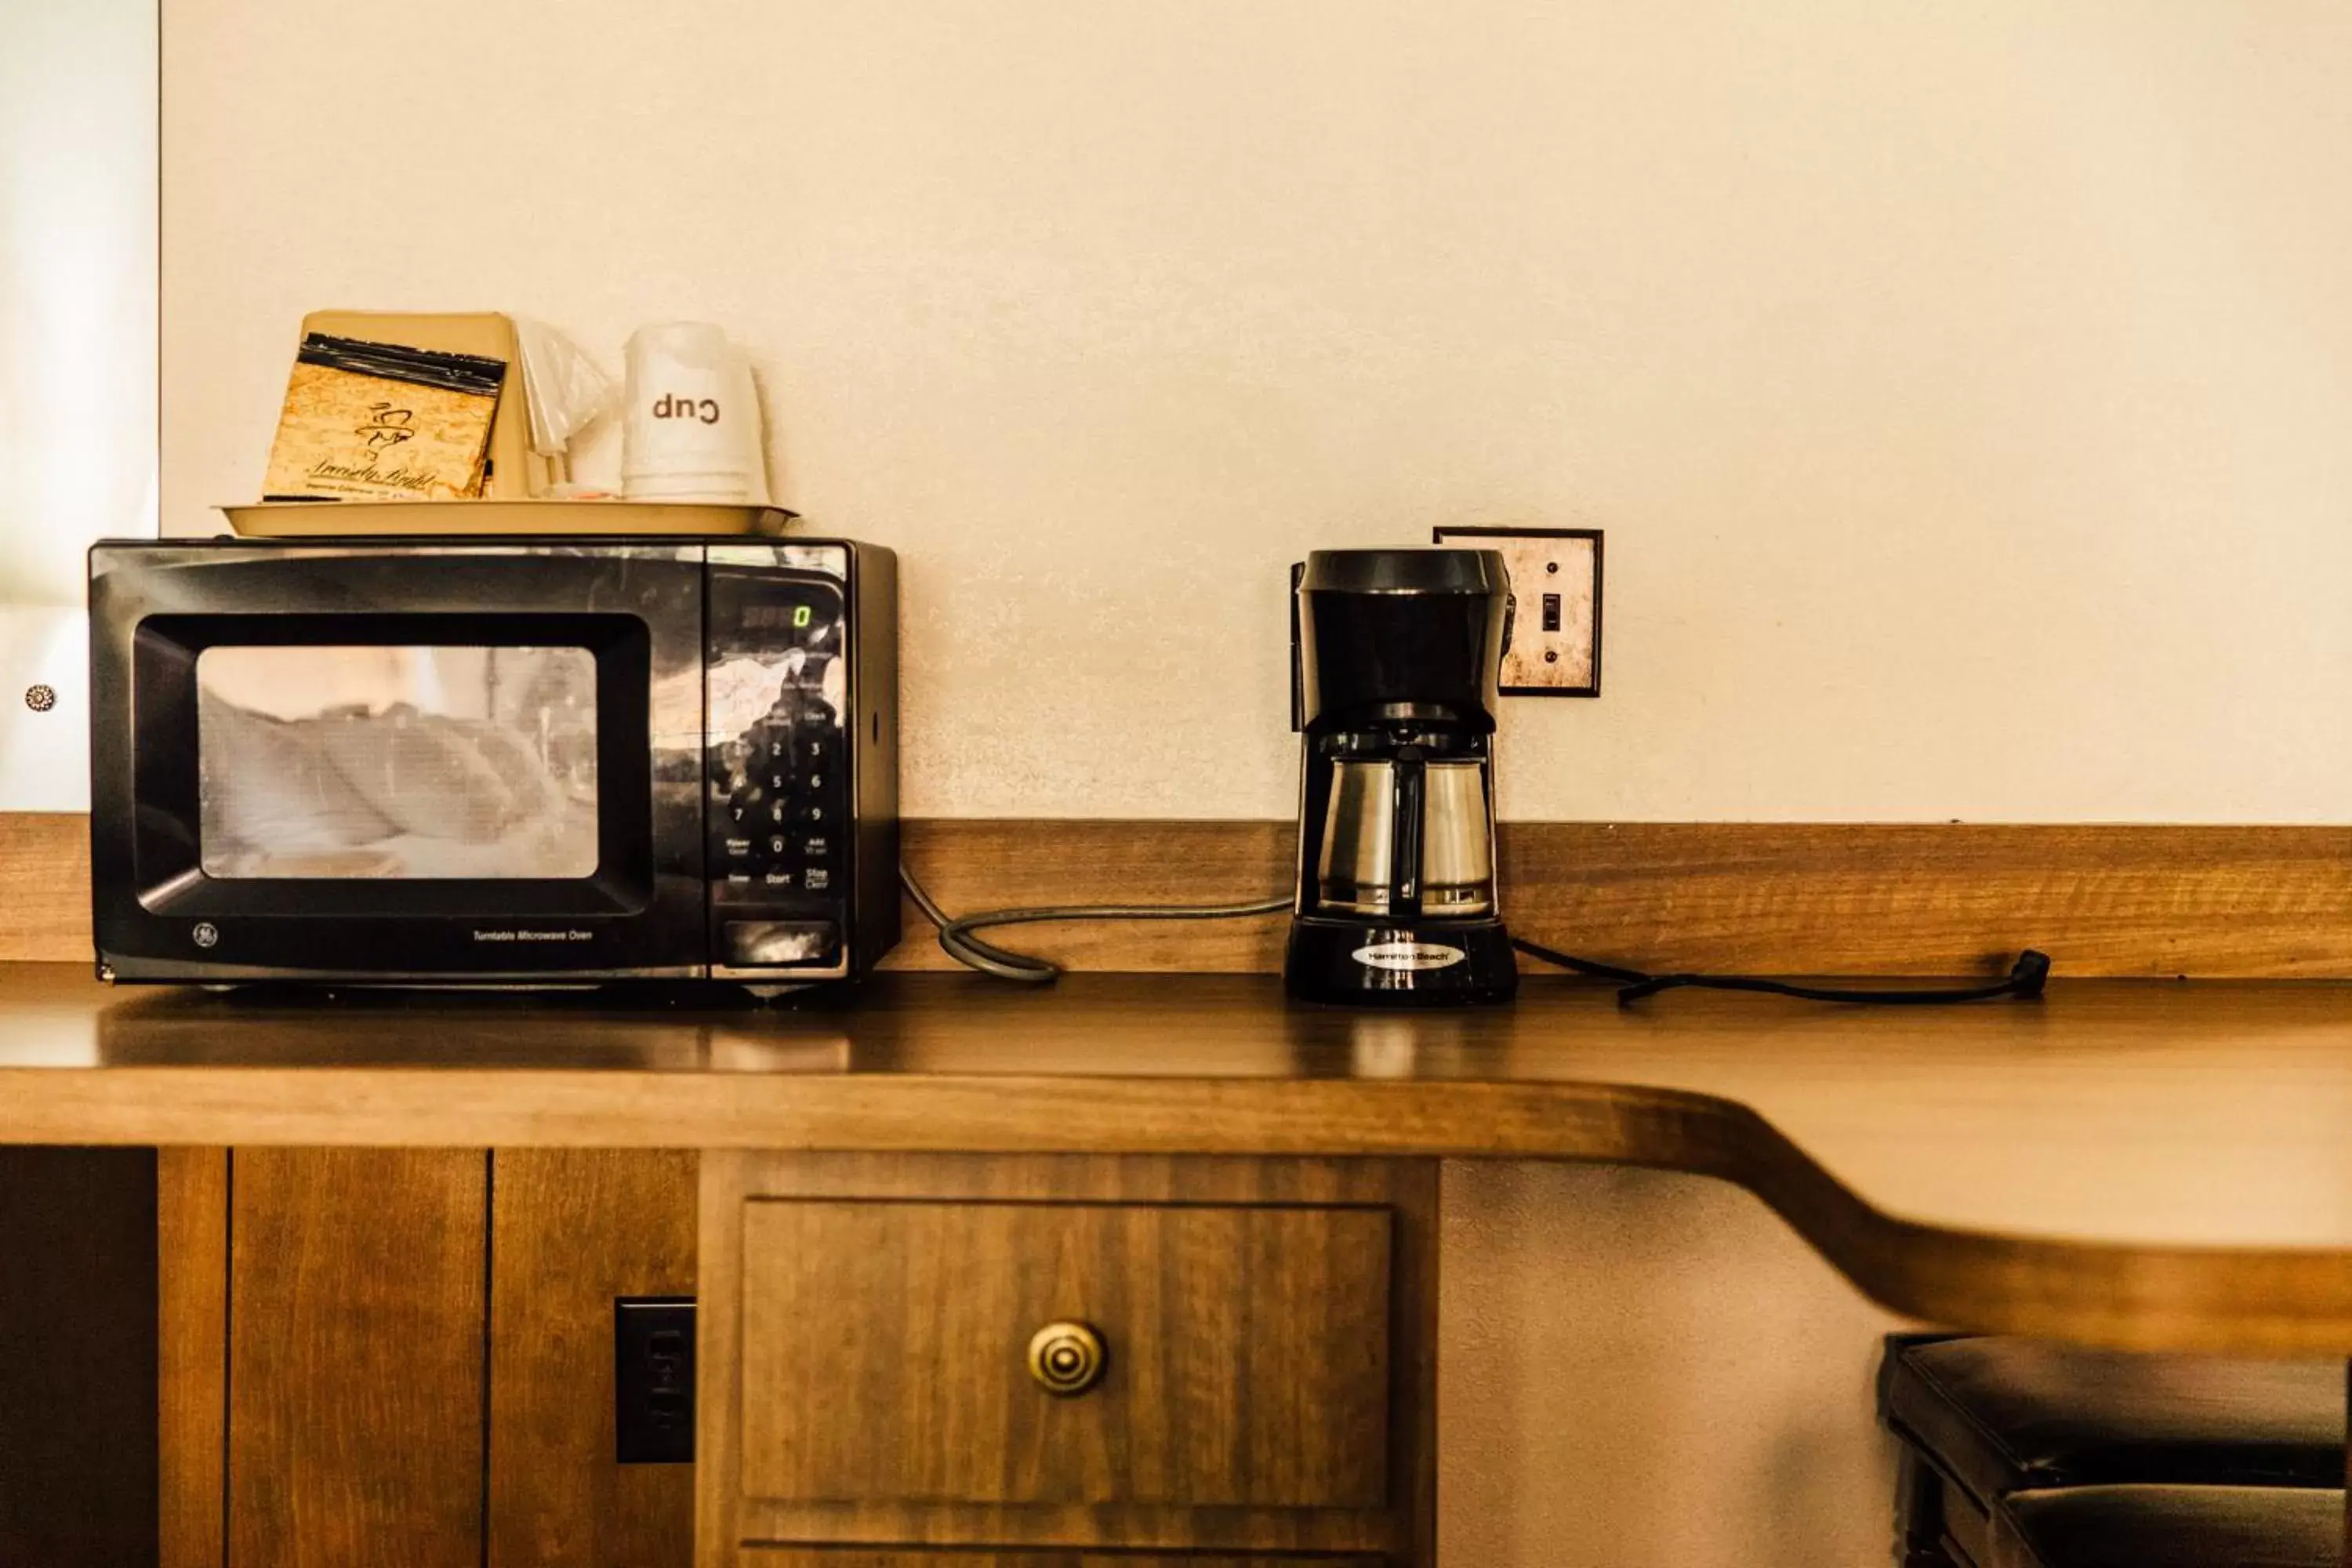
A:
396, 762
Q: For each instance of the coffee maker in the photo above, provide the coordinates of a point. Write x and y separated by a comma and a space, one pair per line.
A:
1396, 659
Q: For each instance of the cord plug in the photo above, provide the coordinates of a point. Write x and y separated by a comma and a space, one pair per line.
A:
2029, 975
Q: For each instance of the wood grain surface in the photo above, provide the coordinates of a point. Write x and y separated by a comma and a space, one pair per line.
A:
356, 1356
191, 1312
571, 1230
982, 1557
78, 1357
45, 886
1734, 897
2213, 902
2139, 1163
1247, 1359
1399, 1523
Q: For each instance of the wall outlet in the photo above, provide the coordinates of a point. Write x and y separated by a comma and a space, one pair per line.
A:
1556, 591
653, 1379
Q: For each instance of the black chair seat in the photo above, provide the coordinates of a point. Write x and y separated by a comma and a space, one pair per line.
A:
2000, 1415
2170, 1527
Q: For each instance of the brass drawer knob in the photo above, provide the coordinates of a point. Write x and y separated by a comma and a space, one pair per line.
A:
1066, 1358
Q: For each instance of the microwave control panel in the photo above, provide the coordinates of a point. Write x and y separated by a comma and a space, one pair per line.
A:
777, 811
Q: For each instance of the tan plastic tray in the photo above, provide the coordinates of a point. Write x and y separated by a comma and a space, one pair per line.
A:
330, 518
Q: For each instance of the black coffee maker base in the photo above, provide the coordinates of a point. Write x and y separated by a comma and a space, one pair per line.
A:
1436, 963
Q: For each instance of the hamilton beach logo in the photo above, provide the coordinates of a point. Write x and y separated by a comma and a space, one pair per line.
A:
1407, 955
205, 934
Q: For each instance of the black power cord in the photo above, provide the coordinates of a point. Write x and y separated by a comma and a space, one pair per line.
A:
2026, 980
957, 941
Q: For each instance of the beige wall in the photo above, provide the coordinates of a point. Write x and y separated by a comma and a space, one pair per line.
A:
77, 269
1964, 389
1646, 1369
77, 263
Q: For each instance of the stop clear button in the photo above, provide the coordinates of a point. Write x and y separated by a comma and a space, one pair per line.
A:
759, 944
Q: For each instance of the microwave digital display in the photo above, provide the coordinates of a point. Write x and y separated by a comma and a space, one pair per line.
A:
771, 617
365, 762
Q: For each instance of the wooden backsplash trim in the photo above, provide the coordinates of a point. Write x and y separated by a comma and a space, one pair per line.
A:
1928, 899
45, 886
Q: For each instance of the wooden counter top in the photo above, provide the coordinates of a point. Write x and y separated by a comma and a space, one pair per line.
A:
2133, 1162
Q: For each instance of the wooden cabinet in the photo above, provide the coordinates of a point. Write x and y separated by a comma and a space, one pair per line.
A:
411, 1351
1266, 1359
407, 1355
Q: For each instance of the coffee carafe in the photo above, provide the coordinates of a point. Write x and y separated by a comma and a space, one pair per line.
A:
1396, 658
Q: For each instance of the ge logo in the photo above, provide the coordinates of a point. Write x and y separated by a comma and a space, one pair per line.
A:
205, 934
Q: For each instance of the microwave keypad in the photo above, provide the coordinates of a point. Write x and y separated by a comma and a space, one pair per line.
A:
784, 805
779, 807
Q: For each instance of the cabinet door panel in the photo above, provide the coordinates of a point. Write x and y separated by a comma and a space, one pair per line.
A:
571, 1230
355, 1357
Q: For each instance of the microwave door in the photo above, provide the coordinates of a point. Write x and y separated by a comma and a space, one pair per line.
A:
408, 761
463, 762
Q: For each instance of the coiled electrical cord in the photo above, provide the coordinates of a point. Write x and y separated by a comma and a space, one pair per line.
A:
1027, 969
2026, 977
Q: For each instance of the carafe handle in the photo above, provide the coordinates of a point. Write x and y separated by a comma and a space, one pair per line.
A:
1404, 836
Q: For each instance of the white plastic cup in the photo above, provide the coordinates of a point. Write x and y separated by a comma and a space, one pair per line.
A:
692, 430
729, 487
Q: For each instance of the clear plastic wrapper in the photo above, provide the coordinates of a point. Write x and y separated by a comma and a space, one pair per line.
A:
566, 391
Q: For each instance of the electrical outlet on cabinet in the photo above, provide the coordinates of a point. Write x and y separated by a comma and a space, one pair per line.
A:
1556, 604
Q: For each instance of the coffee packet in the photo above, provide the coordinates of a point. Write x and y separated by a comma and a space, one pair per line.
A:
383, 422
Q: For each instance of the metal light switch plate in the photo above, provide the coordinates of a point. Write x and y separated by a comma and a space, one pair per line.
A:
1556, 595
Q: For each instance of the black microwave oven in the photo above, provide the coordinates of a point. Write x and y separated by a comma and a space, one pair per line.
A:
500, 761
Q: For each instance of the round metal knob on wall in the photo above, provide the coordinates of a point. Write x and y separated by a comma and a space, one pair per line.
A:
40, 698
1067, 1358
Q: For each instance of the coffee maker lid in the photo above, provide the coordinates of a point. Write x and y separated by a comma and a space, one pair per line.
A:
1405, 571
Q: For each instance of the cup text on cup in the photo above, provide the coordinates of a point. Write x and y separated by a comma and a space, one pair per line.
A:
667, 407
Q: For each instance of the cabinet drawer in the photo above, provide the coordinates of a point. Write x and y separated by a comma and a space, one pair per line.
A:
922, 1557
885, 1353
